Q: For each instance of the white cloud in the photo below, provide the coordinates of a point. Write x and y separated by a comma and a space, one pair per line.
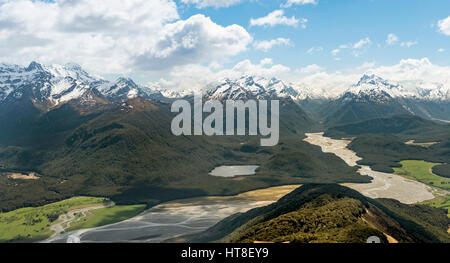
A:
314, 50
321, 83
444, 26
194, 40
334, 52
405, 70
409, 44
194, 76
277, 17
415, 69
362, 43
261, 69
290, 3
391, 39
266, 45
266, 61
211, 3
408, 71
313, 78
357, 48
366, 65
440, 50
113, 36
310, 69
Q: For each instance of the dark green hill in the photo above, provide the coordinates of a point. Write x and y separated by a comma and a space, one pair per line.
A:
126, 151
345, 111
408, 126
442, 170
331, 213
382, 152
384, 142
16, 117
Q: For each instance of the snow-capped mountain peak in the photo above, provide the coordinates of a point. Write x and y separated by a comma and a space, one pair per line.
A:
34, 66
371, 80
55, 84
371, 88
413, 89
249, 87
122, 88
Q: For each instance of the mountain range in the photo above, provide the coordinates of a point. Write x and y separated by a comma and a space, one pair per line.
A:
371, 97
87, 136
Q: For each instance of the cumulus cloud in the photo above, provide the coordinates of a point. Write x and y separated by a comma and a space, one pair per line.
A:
261, 69
366, 65
314, 50
266, 45
266, 61
362, 43
405, 70
211, 3
193, 77
310, 69
336, 51
409, 44
444, 26
196, 39
277, 17
114, 36
415, 69
357, 48
290, 3
318, 81
391, 39
314, 78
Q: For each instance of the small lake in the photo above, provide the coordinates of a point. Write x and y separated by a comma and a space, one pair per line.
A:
235, 170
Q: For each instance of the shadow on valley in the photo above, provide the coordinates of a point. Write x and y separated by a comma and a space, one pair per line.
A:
125, 151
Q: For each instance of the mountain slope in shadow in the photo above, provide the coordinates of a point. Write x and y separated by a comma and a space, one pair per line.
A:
329, 213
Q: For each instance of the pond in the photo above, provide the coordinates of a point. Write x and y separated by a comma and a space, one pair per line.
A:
234, 170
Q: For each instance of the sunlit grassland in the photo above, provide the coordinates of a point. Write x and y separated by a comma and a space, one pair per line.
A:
33, 223
109, 215
421, 171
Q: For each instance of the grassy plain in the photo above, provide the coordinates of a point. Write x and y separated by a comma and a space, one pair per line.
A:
33, 223
422, 172
109, 215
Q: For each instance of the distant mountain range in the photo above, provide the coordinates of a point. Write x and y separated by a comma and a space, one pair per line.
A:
57, 84
372, 97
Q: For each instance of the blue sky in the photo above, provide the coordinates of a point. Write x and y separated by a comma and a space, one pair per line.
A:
183, 43
332, 23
